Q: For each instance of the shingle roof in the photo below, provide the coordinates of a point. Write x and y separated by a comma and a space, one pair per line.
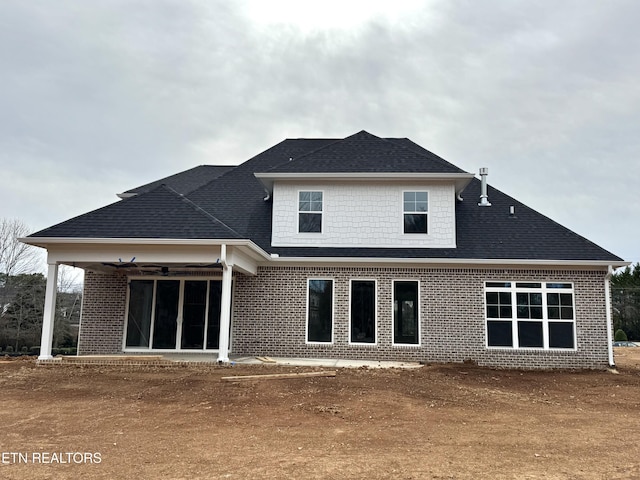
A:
238, 198
487, 233
364, 152
187, 181
232, 206
159, 213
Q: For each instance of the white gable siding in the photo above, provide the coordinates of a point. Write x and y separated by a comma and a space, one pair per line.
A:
358, 214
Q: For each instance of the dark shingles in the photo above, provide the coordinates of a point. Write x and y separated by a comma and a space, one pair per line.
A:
238, 198
235, 208
160, 213
491, 232
487, 233
364, 152
187, 181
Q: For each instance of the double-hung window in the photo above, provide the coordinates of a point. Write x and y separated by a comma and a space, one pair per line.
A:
530, 315
415, 212
309, 212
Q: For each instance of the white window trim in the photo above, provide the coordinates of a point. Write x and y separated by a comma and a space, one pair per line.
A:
427, 213
545, 314
178, 348
321, 212
375, 323
393, 289
333, 312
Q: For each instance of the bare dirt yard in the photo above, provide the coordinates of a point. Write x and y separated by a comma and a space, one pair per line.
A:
440, 421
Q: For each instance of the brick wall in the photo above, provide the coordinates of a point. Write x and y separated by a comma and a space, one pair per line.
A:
103, 313
270, 316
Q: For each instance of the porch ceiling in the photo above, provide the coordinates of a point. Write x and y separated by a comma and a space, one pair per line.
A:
134, 255
164, 269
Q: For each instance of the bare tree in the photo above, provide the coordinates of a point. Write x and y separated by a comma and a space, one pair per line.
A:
15, 256
70, 279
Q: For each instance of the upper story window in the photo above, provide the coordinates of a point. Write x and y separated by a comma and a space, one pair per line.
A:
309, 212
415, 211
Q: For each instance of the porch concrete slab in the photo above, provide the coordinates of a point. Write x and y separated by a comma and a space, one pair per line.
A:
191, 357
325, 362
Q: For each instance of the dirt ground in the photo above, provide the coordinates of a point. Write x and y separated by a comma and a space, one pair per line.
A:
440, 421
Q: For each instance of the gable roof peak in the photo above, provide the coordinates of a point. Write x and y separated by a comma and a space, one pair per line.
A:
362, 134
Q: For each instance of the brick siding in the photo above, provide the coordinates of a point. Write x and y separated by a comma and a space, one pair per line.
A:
103, 312
269, 316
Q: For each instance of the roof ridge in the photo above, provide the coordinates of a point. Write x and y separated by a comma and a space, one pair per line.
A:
396, 143
432, 156
209, 182
199, 209
312, 152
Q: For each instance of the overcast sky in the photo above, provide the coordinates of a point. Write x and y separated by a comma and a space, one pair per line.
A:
97, 97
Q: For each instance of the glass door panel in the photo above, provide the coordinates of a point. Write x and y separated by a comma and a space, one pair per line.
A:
166, 318
213, 328
139, 315
193, 314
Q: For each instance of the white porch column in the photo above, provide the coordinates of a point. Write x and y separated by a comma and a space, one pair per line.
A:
225, 313
49, 312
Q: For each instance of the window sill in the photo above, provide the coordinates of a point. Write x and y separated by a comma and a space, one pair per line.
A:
532, 349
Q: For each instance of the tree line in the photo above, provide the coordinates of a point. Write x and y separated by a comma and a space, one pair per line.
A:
22, 295
625, 299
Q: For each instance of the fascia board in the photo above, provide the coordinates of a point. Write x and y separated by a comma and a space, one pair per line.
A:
44, 242
446, 262
461, 180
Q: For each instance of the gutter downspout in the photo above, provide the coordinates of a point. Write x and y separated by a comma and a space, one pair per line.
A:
607, 296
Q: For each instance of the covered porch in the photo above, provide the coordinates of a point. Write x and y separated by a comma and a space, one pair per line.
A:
155, 295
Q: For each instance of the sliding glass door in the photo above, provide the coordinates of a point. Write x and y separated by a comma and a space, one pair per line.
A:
173, 314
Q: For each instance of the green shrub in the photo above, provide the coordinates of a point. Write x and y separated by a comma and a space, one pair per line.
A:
620, 336
35, 350
9, 348
24, 349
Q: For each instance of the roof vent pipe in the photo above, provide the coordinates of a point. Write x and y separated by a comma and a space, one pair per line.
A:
484, 202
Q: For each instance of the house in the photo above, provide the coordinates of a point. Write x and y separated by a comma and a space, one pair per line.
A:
362, 247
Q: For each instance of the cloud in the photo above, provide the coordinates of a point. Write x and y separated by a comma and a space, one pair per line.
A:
102, 96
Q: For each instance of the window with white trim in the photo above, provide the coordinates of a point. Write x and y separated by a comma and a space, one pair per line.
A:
173, 314
363, 311
309, 212
406, 328
319, 310
415, 212
530, 315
